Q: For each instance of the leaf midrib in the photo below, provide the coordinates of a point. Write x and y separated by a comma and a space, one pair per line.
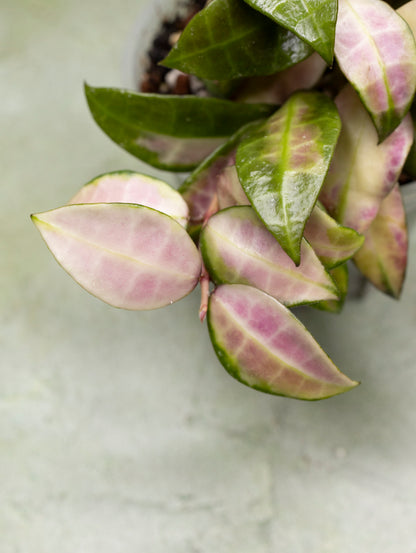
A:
58, 230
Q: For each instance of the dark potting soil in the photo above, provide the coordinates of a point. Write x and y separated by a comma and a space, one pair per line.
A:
162, 80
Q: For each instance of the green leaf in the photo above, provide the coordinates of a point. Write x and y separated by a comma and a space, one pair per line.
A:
333, 243
170, 132
282, 166
376, 51
238, 249
339, 275
311, 20
227, 40
383, 258
261, 344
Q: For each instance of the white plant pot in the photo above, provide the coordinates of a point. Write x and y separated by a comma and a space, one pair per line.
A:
142, 35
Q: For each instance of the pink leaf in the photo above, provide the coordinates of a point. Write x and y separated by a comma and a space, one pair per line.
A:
383, 258
129, 256
134, 188
229, 190
376, 51
263, 345
238, 249
276, 89
362, 172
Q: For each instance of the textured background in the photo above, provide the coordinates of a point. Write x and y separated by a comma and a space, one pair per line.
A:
120, 432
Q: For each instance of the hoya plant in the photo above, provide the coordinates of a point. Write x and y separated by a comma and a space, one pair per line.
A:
293, 154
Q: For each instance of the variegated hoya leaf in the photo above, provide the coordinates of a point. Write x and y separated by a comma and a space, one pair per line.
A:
339, 275
408, 12
129, 187
410, 165
169, 132
282, 165
229, 190
262, 344
200, 187
227, 40
276, 89
383, 258
332, 242
130, 256
311, 20
377, 53
238, 249
362, 171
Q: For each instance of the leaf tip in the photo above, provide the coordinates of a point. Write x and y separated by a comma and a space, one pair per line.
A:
36, 218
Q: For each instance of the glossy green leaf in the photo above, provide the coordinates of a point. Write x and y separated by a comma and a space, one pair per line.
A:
227, 40
383, 258
170, 132
339, 275
134, 188
261, 344
362, 171
376, 51
129, 256
311, 20
282, 165
238, 249
332, 242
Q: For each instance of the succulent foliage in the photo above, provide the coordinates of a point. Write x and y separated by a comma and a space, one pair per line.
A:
290, 176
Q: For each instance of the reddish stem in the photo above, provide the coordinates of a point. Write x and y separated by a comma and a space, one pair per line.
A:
204, 278
204, 282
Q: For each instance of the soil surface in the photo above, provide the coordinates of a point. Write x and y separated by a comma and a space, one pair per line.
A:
162, 80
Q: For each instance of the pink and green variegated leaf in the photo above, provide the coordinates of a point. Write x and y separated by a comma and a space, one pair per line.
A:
362, 171
129, 256
200, 188
333, 243
311, 20
377, 53
339, 275
383, 258
408, 12
174, 133
229, 190
238, 249
262, 344
128, 187
282, 165
276, 89
410, 165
